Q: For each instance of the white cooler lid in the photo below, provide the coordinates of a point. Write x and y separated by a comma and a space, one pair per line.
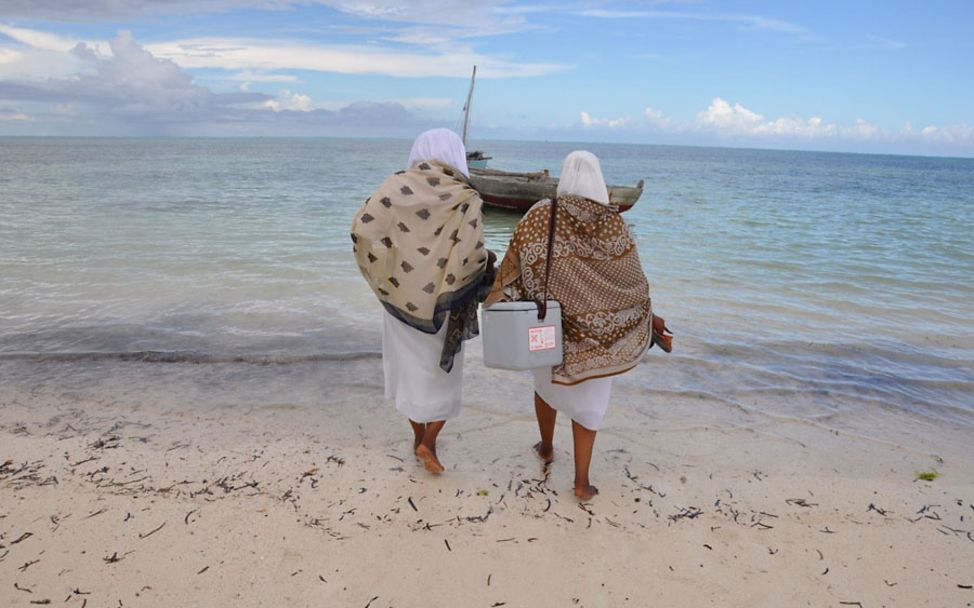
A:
519, 306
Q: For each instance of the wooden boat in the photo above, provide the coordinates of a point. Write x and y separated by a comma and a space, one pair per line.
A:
519, 191
477, 160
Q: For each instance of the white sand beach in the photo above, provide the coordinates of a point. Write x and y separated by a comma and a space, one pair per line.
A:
230, 484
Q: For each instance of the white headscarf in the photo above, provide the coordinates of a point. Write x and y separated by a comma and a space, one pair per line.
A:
440, 144
581, 175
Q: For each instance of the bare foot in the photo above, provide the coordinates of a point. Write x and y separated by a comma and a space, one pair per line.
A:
429, 459
419, 429
546, 455
586, 492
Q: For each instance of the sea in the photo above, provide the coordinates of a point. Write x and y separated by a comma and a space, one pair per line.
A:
844, 279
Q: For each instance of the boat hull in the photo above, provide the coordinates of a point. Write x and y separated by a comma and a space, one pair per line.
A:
477, 160
520, 191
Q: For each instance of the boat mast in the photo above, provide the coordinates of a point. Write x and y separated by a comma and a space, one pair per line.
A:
466, 106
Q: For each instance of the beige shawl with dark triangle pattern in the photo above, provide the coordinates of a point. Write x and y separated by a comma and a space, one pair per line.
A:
419, 243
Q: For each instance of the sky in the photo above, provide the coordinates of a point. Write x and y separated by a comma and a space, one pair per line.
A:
870, 76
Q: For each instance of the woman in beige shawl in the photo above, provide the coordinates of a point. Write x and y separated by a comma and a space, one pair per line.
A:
419, 243
598, 279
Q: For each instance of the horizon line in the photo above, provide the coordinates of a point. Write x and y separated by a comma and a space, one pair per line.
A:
537, 141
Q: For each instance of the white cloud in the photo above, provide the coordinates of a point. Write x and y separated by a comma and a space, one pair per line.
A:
289, 101
429, 37
134, 81
427, 24
461, 13
792, 126
130, 91
444, 12
747, 21
9, 55
32, 53
654, 116
522, 9
739, 123
962, 133
866, 131
255, 60
129, 83
248, 76
721, 116
85, 10
589, 121
723, 119
660, 121
39, 40
269, 55
11, 115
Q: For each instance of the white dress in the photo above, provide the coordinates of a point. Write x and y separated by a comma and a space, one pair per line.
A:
585, 402
422, 391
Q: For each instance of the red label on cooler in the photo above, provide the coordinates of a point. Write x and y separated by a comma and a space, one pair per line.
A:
541, 338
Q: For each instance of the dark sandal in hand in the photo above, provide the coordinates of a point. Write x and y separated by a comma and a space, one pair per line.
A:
662, 336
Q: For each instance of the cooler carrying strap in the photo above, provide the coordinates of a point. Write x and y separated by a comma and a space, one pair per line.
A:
543, 304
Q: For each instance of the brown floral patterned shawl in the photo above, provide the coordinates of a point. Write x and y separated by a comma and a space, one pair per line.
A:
419, 243
595, 275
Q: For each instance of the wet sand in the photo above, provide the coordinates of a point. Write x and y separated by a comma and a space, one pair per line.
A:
227, 484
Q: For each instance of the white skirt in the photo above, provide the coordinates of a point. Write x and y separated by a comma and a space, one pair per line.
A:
422, 391
585, 402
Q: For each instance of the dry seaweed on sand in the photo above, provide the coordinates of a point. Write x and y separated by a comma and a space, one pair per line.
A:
801, 502
153, 531
22, 538
686, 513
879, 510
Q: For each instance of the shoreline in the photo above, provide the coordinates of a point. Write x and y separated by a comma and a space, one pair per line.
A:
223, 484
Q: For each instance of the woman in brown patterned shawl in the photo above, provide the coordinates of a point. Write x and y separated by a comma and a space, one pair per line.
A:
419, 243
598, 279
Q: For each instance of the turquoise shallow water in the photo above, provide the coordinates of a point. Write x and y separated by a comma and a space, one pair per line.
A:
848, 278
